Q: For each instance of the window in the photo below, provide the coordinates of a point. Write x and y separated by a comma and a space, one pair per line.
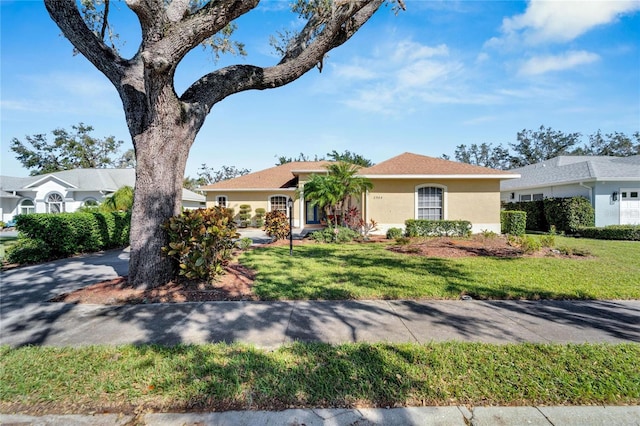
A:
537, 197
90, 202
221, 201
278, 203
27, 206
525, 197
430, 203
55, 203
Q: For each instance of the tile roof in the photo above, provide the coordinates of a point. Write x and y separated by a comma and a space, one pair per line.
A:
570, 169
420, 165
277, 177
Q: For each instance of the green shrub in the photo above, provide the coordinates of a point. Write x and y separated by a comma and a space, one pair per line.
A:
27, 250
338, 234
526, 243
277, 225
513, 222
611, 232
260, 212
244, 243
393, 233
569, 214
403, 241
201, 241
2, 224
536, 220
548, 240
574, 251
437, 228
245, 215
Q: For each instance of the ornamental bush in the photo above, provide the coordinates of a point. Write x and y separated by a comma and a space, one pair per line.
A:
437, 228
513, 222
337, 234
201, 241
536, 220
65, 234
569, 214
611, 232
277, 225
393, 233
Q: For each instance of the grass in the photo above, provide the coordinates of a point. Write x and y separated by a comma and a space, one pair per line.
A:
369, 271
220, 376
5, 243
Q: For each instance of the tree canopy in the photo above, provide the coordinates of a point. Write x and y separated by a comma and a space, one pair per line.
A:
70, 150
345, 156
545, 143
207, 175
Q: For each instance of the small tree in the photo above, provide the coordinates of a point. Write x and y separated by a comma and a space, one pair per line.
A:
245, 215
260, 212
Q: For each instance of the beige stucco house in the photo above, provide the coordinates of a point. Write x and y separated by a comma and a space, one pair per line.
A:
408, 186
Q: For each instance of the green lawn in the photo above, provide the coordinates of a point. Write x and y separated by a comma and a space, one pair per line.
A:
5, 243
369, 271
223, 377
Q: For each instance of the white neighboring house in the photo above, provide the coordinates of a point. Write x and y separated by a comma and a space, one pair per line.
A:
612, 184
68, 190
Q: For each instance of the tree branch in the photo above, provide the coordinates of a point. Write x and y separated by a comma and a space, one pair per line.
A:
66, 15
299, 58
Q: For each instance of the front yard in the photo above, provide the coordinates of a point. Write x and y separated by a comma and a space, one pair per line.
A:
372, 271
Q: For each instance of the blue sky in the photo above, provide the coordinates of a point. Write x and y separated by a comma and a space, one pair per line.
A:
440, 74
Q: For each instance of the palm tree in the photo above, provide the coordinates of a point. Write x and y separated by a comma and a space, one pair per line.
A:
121, 200
334, 191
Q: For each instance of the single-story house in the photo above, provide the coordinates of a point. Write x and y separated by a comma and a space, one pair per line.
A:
611, 184
408, 186
68, 190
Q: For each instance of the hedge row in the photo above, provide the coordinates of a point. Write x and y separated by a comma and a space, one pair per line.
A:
566, 214
611, 232
437, 228
52, 236
513, 222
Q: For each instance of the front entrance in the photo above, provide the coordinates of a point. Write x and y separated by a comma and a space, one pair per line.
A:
312, 214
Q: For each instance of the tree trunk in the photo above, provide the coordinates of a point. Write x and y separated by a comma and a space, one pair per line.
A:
161, 155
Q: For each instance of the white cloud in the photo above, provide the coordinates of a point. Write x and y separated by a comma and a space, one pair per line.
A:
543, 64
562, 21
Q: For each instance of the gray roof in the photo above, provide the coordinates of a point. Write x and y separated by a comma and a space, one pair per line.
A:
109, 180
574, 169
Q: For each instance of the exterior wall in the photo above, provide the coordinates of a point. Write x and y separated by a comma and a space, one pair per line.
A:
561, 191
256, 199
608, 209
392, 201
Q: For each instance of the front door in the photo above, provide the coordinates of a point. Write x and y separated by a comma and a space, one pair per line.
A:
311, 214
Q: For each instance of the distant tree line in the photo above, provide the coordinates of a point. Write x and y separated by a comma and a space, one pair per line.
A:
534, 146
346, 156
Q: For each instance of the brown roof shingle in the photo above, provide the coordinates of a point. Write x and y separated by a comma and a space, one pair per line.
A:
414, 164
275, 177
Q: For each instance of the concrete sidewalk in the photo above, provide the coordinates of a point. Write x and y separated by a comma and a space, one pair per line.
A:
26, 318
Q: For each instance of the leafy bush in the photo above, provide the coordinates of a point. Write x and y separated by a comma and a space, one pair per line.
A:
611, 232
277, 225
526, 243
536, 220
338, 234
437, 228
569, 214
201, 241
260, 212
27, 250
244, 243
65, 234
393, 233
245, 215
513, 222
548, 240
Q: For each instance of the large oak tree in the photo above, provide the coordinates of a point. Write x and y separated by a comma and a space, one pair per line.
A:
163, 124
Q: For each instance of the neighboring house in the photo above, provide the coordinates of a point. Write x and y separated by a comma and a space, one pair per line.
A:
68, 190
408, 186
611, 184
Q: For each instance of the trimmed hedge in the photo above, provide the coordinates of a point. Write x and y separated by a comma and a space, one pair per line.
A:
437, 228
611, 232
569, 214
536, 219
65, 234
513, 222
